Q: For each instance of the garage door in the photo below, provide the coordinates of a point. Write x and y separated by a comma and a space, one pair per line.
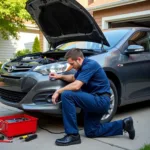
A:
9, 47
140, 22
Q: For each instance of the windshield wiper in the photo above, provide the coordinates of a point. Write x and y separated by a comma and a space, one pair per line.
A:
55, 50
91, 50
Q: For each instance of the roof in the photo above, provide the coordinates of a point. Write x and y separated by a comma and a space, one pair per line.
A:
105, 4
101, 2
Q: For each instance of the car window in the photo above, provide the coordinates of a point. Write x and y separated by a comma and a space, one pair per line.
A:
141, 38
113, 37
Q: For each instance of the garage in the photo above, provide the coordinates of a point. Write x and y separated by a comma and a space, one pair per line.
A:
137, 19
114, 14
144, 22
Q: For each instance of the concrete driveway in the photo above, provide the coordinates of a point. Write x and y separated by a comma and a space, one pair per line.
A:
45, 141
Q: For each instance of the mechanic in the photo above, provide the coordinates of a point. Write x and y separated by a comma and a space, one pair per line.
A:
90, 90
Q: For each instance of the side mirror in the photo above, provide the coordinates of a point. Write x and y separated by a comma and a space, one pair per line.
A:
134, 49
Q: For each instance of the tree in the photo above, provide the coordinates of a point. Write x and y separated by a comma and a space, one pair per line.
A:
12, 17
36, 45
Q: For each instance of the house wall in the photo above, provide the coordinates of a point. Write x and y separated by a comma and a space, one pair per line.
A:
137, 7
25, 41
83, 2
38, 32
41, 38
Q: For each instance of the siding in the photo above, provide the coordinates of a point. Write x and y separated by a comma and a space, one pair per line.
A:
9, 47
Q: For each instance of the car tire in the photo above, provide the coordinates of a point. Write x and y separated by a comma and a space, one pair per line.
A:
113, 104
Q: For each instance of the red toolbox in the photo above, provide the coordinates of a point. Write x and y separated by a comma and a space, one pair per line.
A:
16, 125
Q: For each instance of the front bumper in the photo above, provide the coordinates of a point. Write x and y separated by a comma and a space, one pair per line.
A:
27, 91
18, 91
51, 108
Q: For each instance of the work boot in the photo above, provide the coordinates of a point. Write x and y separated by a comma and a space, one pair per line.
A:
68, 140
128, 126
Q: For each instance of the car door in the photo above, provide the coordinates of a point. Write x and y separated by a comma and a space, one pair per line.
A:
146, 67
136, 70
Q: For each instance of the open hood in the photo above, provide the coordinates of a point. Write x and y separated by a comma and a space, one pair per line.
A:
63, 21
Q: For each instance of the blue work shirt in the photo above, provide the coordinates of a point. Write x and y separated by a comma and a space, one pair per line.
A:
93, 76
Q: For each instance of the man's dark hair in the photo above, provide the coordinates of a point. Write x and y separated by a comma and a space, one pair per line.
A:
74, 54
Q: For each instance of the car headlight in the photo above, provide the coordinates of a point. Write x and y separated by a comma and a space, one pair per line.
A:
55, 68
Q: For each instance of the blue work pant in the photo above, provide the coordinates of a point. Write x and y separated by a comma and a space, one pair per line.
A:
94, 108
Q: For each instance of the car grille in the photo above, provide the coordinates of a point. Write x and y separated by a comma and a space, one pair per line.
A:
12, 96
17, 68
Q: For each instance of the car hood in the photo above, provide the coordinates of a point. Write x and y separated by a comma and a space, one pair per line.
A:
64, 21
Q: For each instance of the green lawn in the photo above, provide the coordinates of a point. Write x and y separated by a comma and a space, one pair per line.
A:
146, 147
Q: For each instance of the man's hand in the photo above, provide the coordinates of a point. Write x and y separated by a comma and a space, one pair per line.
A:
55, 97
68, 78
54, 75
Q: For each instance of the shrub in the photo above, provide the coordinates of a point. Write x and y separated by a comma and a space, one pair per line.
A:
0, 66
36, 46
146, 147
22, 52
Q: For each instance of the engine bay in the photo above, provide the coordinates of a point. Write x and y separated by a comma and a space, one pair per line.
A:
30, 61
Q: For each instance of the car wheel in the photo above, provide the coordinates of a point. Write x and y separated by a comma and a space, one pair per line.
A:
113, 104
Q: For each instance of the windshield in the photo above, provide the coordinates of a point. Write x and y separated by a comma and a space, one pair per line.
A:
112, 36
